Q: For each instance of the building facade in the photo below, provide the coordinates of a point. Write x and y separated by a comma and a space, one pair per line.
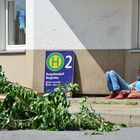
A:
104, 35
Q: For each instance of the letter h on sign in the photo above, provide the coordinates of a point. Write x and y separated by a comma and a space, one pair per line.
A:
55, 61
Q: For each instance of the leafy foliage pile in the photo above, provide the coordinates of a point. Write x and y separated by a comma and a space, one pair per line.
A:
89, 119
3, 81
23, 109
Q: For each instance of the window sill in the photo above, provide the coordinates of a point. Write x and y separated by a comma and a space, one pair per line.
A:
13, 51
134, 50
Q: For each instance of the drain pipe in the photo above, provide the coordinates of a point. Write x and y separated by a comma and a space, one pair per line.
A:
2, 25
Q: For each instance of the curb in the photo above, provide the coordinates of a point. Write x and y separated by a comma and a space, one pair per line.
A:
129, 120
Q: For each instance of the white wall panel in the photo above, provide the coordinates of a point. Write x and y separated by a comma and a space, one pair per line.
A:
78, 24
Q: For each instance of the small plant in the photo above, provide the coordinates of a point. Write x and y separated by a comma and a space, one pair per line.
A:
126, 102
3, 81
131, 102
89, 119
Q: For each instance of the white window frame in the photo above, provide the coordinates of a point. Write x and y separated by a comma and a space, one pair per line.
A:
12, 47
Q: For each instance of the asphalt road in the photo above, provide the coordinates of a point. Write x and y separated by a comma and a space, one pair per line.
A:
124, 134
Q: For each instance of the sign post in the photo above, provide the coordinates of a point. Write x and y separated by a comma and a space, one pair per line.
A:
59, 68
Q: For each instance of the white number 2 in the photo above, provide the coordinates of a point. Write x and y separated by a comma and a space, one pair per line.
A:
68, 64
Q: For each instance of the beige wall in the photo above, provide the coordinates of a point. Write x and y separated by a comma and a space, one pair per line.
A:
38, 73
18, 67
90, 68
132, 61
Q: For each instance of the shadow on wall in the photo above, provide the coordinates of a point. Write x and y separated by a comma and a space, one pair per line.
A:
81, 18
109, 59
82, 22
91, 65
97, 24
77, 77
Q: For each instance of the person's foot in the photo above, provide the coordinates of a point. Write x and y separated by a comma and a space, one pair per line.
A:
135, 94
112, 95
121, 95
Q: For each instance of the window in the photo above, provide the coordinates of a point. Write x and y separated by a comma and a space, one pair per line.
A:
16, 22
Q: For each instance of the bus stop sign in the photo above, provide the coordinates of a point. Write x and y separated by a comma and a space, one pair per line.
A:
59, 68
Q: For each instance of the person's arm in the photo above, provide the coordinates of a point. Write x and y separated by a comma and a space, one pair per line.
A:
132, 85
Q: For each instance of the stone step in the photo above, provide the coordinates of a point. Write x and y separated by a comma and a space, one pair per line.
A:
117, 111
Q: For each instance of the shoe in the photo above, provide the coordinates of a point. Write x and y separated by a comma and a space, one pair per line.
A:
135, 94
120, 95
112, 95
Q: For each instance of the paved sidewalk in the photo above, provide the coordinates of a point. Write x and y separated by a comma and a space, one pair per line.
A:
124, 111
